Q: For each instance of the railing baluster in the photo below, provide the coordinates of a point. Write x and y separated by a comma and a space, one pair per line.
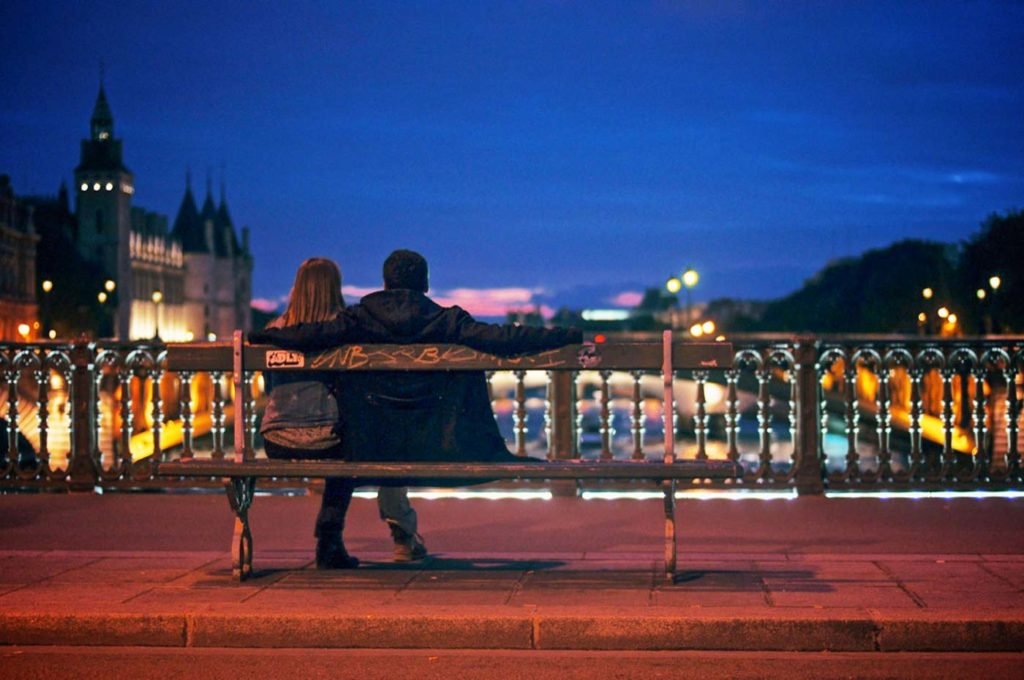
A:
11, 375
764, 424
127, 418
606, 429
638, 418
946, 464
42, 378
185, 398
251, 416
852, 471
581, 408
519, 414
700, 415
1013, 407
982, 455
884, 405
732, 418
217, 415
157, 412
916, 470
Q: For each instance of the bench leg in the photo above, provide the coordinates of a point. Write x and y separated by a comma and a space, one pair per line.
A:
240, 494
669, 488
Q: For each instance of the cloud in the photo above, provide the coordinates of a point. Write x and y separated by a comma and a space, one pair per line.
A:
357, 292
269, 305
492, 302
627, 298
484, 302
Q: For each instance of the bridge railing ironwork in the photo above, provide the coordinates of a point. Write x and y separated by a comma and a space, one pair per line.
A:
808, 413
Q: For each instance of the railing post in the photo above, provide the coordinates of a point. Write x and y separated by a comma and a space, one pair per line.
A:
563, 435
83, 471
563, 428
809, 474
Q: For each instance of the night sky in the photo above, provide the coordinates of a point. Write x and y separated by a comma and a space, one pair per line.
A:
547, 152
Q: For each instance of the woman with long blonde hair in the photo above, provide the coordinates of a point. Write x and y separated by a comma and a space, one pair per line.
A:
301, 420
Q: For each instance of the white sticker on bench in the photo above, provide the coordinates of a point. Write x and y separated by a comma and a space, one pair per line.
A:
277, 358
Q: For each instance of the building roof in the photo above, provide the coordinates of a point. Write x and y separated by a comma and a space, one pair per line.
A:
101, 152
188, 225
224, 228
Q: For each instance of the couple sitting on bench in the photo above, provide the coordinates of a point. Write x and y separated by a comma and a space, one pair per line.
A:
384, 415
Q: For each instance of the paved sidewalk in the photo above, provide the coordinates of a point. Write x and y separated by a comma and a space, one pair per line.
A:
804, 574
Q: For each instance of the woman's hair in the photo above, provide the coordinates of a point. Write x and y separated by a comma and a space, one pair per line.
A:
316, 294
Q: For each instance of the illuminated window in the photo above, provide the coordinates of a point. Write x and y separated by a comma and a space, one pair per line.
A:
104, 135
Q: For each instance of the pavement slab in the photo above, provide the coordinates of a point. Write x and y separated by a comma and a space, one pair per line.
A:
565, 574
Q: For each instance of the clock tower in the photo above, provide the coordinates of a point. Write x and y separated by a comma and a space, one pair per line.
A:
104, 188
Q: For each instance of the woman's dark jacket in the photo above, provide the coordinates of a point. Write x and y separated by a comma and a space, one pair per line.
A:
418, 415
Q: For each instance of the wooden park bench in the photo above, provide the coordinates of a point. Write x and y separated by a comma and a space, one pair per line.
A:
241, 473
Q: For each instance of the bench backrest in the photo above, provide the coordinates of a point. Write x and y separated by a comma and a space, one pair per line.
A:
239, 357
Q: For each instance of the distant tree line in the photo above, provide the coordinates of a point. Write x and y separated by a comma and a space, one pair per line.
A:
881, 290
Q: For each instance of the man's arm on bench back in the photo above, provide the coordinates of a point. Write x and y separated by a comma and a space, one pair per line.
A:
509, 339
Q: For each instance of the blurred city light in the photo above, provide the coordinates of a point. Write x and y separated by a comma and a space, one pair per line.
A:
690, 278
927, 293
943, 312
673, 285
995, 282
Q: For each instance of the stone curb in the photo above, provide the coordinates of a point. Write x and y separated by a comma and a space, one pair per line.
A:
855, 632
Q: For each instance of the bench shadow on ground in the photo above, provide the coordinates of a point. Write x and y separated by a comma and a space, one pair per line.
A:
796, 580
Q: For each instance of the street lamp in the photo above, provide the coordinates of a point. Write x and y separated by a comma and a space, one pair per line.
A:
157, 298
109, 285
47, 286
690, 279
995, 282
673, 285
927, 293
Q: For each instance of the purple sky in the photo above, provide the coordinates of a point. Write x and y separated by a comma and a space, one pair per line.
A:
556, 152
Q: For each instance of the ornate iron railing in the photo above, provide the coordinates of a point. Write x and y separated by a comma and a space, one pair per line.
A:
811, 413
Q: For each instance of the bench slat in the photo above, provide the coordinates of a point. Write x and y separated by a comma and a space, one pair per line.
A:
216, 356
687, 469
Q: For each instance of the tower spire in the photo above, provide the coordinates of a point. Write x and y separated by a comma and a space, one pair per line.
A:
223, 185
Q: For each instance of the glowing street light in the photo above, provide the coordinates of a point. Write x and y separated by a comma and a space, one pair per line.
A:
102, 296
690, 277
943, 313
47, 286
673, 285
981, 293
696, 330
109, 285
157, 298
995, 282
708, 327
927, 293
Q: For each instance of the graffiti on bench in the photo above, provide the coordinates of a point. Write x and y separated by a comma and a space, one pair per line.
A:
355, 357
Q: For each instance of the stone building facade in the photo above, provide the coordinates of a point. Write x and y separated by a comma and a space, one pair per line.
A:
19, 314
183, 283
